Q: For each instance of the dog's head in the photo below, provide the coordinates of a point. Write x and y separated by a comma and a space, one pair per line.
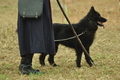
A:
96, 17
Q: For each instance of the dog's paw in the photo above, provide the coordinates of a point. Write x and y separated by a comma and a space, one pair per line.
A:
54, 65
90, 65
42, 64
79, 66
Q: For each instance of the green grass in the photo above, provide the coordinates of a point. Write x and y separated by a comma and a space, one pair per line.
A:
3, 77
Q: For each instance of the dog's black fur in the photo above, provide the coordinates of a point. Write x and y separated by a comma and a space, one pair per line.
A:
89, 24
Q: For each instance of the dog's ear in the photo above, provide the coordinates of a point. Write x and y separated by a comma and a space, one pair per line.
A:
92, 9
91, 13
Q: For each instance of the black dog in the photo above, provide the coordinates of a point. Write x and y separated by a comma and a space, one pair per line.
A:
87, 26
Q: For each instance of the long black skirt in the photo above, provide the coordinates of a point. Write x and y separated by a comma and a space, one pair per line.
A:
36, 35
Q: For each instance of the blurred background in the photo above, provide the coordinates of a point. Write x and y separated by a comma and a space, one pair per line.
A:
105, 50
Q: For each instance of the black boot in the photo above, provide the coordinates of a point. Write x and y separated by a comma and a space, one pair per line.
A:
26, 65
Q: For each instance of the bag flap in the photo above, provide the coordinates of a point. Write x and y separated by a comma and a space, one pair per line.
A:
30, 8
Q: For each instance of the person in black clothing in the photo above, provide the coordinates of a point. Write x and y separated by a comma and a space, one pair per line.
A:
35, 36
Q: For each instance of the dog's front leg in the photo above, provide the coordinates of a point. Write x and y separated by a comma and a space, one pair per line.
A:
87, 58
79, 56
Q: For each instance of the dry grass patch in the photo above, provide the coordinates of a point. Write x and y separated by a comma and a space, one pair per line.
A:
105, 50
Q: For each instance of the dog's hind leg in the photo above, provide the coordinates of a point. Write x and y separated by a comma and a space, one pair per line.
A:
51, 60
56, 46
41, 59
87, 58
79, 56
51, 57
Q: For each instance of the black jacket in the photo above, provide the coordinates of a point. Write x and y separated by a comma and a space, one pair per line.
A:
36, 35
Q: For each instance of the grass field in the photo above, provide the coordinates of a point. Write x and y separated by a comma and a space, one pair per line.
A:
105, 50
